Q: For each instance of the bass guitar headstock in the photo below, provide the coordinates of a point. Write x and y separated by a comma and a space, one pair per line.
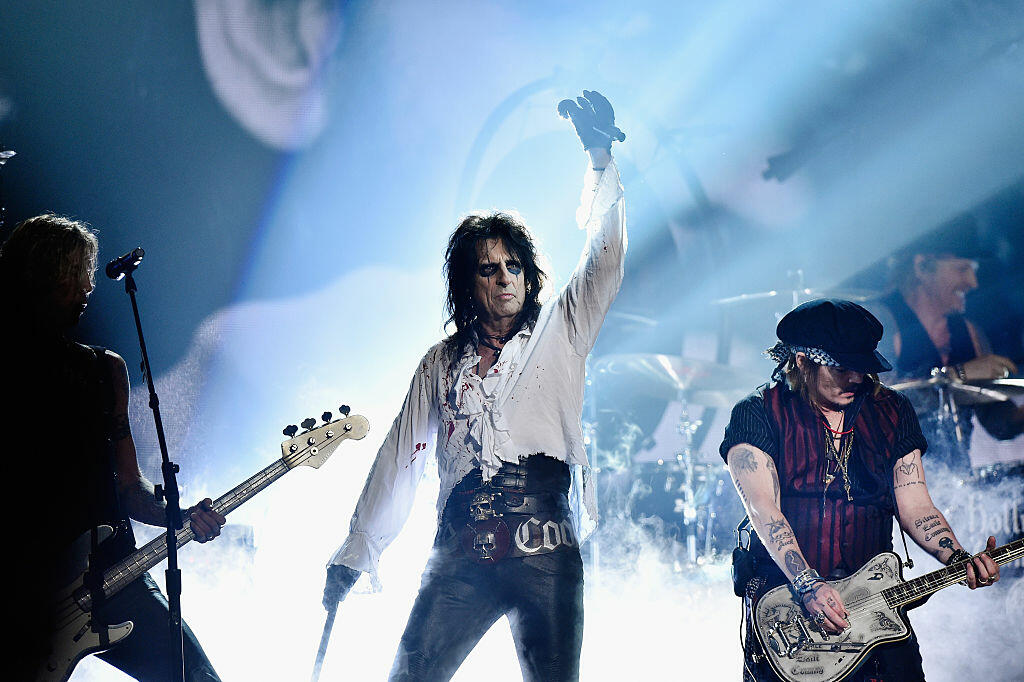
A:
313, 446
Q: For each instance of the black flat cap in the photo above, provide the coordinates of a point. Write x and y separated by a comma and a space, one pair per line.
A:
843, 329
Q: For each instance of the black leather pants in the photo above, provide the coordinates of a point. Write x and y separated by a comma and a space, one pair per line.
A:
459, 600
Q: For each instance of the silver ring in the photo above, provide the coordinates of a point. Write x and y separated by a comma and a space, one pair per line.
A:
819, 618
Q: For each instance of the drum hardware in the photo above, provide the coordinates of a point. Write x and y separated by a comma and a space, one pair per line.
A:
966, 392
798, 292
668, 377
687, 427
954, 394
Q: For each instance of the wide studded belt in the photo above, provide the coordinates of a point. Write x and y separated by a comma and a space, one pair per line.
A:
488, 525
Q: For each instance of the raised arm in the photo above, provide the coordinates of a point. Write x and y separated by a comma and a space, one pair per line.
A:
594, 283
926, 525
757, 482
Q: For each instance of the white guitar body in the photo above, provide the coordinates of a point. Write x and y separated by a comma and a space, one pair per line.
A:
799, 650
74, 638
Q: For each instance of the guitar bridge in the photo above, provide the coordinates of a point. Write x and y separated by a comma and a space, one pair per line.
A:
788, 638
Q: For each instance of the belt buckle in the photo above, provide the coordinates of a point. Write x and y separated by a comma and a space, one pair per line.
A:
486, 542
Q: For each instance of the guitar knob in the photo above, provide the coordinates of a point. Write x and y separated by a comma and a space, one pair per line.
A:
345, 409
308, 423
326, 416
291, 430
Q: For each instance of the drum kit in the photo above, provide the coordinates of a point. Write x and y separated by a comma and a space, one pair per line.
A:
682, 494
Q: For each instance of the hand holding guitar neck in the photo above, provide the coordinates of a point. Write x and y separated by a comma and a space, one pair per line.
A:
205, 522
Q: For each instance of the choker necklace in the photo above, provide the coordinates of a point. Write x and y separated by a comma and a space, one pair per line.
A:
500, 338
485, 342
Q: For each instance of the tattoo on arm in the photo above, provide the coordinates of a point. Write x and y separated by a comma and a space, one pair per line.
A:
946, 543
907, 471
906, 468
794, 562
745, 460
739, 489
936, 533
775, 479
779, 533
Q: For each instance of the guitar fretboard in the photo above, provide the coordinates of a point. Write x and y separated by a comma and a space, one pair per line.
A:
153, 552
912, 590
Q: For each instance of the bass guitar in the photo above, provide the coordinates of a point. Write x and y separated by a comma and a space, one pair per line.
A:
877, 599
75, 635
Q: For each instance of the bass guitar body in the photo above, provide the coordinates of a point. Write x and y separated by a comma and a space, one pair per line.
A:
75, 635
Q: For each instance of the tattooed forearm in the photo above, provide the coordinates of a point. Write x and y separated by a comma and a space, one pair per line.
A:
925, 519
936, 533
794, 562
780, 534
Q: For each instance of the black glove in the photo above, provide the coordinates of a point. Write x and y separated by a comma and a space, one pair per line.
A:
340, 580
594, 119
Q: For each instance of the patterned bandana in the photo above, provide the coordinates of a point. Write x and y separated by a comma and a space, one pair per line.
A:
781, 352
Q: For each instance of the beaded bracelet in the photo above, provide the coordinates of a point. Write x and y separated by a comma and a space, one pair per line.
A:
958, 556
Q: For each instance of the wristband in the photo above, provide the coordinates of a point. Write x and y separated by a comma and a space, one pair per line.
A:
805, 581
958, 556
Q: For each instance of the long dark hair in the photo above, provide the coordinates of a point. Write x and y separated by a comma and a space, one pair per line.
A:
460, 265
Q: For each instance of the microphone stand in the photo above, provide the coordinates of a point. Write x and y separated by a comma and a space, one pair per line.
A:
169, 493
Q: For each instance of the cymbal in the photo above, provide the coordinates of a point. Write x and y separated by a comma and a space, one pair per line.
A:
855, 295
669, 377
968, 392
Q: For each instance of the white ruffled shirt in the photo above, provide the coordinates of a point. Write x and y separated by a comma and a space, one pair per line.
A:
528, 403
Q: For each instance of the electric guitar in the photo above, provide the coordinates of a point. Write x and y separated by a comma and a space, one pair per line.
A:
876, 598
75, 635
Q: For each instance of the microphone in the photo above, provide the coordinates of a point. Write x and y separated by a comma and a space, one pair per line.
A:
122, 265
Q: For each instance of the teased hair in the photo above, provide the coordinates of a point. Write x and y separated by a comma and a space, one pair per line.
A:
44, 252
460, 265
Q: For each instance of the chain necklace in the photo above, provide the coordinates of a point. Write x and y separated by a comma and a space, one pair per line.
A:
838, 459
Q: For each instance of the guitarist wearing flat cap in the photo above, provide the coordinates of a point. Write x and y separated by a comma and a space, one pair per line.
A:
824, 458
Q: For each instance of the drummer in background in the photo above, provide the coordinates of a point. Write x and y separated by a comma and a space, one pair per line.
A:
925, 329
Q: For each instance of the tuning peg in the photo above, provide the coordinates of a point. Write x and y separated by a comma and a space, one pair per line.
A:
291, 430
345, 409
308, 423
326, 416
